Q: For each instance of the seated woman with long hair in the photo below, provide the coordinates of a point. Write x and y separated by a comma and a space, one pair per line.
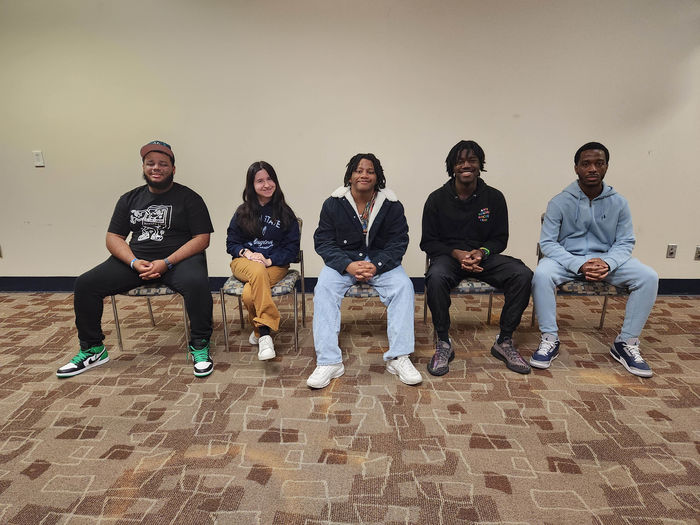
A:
262, 238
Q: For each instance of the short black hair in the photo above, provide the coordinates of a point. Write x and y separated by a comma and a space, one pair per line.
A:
378, 170
591, 145
462, 145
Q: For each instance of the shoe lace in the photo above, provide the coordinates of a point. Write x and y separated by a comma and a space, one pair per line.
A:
80, 357
508, 347
404, 363
199, 355
510, 350
633, 350
320, 370
443, 350
546, 347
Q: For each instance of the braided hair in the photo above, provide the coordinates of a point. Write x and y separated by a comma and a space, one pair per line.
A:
462, 145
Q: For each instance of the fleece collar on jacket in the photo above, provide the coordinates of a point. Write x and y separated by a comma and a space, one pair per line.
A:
382, 195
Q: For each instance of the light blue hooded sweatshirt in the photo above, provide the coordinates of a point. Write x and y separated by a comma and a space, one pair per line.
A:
576, 229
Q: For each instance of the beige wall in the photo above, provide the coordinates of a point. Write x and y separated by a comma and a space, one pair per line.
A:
306, 84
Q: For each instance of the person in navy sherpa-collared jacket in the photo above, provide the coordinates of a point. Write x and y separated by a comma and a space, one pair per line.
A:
362, 236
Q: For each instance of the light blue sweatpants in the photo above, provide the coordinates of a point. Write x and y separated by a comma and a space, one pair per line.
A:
395, 291
642, 281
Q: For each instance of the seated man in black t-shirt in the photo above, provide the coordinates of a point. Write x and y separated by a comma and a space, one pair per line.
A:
170, 227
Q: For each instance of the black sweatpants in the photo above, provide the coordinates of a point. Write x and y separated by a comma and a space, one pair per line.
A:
189, 278
501, 271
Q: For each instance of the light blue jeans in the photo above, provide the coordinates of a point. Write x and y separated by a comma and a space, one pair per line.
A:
642, 281
395, 291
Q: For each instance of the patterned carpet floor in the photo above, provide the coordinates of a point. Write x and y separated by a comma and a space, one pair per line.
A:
141, 440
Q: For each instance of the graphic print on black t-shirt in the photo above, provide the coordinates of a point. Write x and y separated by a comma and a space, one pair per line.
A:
159, 223
154, 221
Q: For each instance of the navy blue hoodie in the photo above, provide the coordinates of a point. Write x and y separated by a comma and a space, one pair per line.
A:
278, 245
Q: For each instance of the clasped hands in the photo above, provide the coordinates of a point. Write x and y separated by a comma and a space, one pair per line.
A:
149, 270
257, 257
363, 271
595, 269
469, 261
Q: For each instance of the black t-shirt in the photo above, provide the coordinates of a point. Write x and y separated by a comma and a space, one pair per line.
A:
160, 223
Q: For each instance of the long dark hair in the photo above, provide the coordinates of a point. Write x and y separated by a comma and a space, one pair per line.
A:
248, 213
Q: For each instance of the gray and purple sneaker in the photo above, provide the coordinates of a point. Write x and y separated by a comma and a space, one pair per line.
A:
440, 363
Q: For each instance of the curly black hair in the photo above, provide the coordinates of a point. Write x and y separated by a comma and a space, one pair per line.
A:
378, 170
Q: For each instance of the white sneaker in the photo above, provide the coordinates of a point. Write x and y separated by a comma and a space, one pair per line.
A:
323, 374
266, 348
402, 367
252, 339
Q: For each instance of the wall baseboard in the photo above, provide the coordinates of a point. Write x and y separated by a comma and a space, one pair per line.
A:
65, 284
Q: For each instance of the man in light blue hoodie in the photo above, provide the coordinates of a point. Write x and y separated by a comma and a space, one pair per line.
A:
587, 234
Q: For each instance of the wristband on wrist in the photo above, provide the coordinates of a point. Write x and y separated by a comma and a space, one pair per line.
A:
485, 251
131, 264
168, 263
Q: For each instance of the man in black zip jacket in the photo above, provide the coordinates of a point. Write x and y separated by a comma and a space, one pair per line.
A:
465, 229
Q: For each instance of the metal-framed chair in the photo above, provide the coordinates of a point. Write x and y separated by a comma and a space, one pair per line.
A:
149, 290
285, 286
468, 286
583, 287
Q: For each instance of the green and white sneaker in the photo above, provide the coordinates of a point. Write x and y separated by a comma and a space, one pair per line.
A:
86, 359
203, 363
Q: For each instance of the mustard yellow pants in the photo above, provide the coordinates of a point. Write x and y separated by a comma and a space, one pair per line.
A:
257, 294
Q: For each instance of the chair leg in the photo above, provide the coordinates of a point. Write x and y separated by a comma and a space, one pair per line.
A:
303, 289
296, 323
116, 322
240, 311
488, 317
150, 311
223, 316
602, 314
303, 305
